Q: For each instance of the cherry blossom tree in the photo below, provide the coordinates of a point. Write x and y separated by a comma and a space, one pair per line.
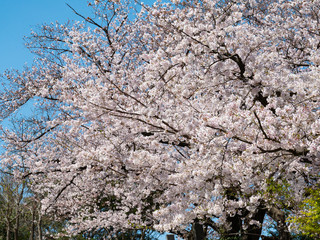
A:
198, 118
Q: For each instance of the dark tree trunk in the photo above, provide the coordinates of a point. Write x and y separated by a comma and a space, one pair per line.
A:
236, 225
280, 217
16, 227
40, 226
32, 223
8, 220
8, 232
18, 212
253, 232
198, 232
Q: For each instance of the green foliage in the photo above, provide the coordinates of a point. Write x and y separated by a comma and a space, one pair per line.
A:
308, 220
279, 191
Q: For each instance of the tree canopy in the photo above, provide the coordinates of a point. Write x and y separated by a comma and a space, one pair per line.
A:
196, 117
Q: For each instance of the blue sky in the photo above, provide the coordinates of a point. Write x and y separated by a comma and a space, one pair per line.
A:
19, 17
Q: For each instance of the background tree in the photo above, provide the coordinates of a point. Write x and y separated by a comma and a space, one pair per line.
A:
308, 218
195, 117
11, 209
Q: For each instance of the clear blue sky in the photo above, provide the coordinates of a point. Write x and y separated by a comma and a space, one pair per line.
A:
19, 17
